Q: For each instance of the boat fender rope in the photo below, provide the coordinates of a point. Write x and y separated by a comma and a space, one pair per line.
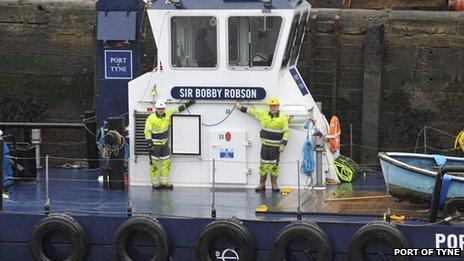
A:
302, 230
135, 225
374, 231
62, 222
243, 245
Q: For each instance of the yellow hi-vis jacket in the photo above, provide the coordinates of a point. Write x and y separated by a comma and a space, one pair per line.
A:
459, 140
157, 128
274, 129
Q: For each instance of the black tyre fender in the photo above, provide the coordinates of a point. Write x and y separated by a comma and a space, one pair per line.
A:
454, 207
230, 228
385, 231
302, 229
59, 222
147, 224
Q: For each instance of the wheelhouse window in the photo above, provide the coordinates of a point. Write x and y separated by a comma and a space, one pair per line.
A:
253, 40
299, 38
291, 39
194, 41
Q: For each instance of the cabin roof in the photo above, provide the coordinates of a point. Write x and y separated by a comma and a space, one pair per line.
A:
226, 4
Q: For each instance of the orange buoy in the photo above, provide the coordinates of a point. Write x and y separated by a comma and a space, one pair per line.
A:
456, 5
334, 134
459, 6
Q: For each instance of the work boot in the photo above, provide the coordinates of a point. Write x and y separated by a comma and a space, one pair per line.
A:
156, 186
274, 184
167, 186
262, 183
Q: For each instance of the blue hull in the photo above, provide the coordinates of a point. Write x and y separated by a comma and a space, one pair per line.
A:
412, 176
184, 213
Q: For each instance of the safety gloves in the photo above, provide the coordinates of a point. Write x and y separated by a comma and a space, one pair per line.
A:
149, 144
189, 103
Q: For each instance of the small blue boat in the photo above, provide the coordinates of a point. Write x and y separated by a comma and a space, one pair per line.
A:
412, 176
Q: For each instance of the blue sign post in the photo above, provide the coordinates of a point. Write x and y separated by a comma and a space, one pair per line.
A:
118, 64
118, 54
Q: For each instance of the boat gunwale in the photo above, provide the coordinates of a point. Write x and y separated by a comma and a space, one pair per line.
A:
386, 156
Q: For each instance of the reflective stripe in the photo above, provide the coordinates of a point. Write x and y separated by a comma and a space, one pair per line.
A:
164, 180
161, 158
269, 161
274, 136
275, 145
272, 130
271, 141
159, 142
160, 135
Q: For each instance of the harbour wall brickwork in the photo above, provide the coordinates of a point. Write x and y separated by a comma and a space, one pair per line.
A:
47, 55
47, 51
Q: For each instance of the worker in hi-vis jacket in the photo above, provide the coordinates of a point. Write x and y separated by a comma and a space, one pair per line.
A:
274, 136
156, 136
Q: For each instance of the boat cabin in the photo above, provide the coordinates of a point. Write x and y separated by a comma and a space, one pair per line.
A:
218, 52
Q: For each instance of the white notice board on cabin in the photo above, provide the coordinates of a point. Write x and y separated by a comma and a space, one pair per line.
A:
186, 134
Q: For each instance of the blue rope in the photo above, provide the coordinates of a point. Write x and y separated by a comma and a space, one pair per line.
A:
307, 167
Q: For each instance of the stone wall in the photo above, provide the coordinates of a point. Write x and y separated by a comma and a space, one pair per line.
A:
382, 4
422, 82
47, 49
47, 56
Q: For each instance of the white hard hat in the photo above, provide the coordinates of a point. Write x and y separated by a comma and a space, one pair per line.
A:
160, 104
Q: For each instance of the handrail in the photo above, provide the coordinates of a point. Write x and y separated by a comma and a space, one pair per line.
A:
72, 125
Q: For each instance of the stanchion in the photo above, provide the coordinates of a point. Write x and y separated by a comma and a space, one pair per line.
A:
298, 215
213, 205
425, 139
1, 170
351, 140
90, 122
47, 179
129, 206
435, 200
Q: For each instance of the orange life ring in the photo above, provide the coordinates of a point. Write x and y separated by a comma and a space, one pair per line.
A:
334, 134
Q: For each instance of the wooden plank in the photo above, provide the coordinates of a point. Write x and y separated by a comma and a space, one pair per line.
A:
357, 198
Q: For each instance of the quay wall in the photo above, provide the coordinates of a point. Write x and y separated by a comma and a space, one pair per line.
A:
47, 71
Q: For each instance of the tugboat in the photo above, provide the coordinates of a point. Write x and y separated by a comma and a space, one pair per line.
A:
217, 53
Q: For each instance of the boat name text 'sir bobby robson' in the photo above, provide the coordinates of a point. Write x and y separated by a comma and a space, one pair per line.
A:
219, 53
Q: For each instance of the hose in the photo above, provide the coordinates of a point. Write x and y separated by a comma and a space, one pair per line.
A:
345, 168
219, 122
